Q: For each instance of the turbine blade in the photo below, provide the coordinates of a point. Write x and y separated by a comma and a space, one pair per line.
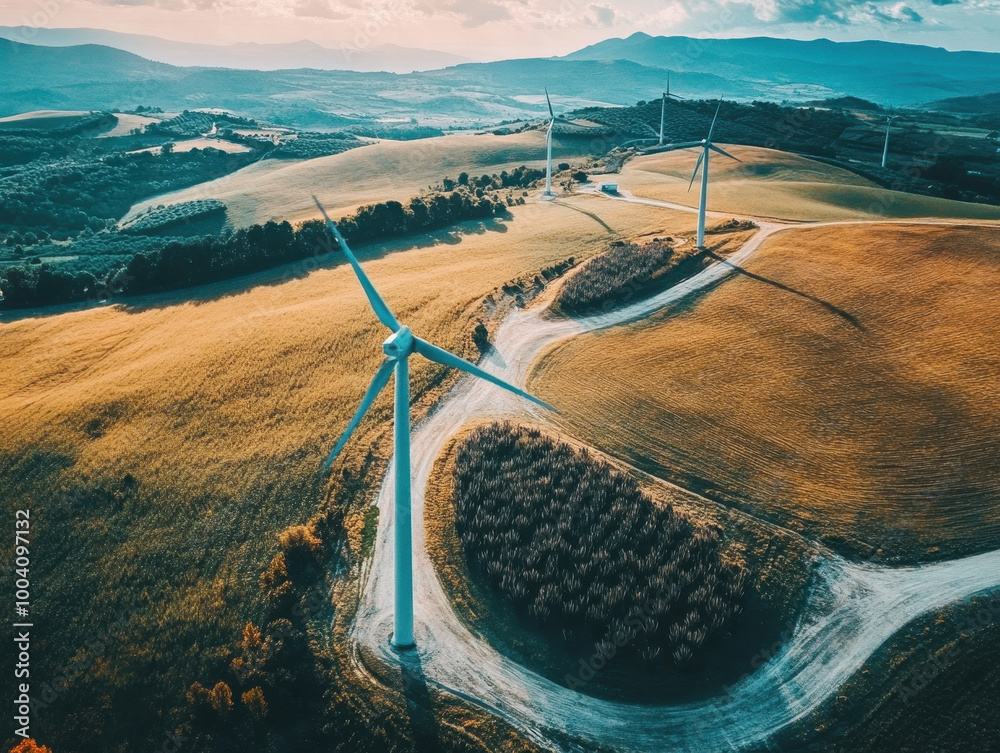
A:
381, 310
675, 147
697, 167
439, 355
549, 101
711, 130
378, 382
722, 151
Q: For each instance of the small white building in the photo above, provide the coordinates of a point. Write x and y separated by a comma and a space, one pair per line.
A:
609, 188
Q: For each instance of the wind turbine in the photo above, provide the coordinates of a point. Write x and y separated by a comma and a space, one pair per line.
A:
702, 164
663, 107
553, 119
398, 348
888, 127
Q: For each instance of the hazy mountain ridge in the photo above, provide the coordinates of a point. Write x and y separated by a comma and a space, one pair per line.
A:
99, 77
889, 72
248, 55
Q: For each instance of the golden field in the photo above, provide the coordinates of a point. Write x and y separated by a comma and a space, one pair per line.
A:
844, 387
784, 186
281, 189
222, 403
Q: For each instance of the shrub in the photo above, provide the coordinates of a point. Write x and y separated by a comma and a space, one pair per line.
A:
582, 552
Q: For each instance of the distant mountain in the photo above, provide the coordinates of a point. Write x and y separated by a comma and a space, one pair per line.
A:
94, 77
87, 77
250, 55
983, 104
886, 72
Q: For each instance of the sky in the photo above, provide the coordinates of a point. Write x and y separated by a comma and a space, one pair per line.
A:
496, 29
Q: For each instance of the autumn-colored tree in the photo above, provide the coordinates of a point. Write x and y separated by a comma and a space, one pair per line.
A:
300, 537
197, 694
251, 636
221, 698
30, 746
254, 700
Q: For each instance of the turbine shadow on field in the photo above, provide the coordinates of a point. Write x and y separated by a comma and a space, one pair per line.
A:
419, 704
591, 215
836, 311
301, 269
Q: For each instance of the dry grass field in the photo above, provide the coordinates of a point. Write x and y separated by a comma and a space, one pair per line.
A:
845, 387
221, 408
202, 143
43, 119
280, 190
780, 185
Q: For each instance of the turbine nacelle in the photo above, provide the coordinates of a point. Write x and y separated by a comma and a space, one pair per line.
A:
399, 344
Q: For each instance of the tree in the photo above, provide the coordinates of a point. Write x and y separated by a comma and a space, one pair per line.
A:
254, 700
463, 179
167, 148
30, 746
221, 698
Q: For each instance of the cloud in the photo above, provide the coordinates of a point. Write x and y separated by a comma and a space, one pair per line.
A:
834, 12
318, 9
604, 15
478, 12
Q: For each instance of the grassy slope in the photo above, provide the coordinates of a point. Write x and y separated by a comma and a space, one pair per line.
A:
865, 412
221, 408
777, 184
276, 189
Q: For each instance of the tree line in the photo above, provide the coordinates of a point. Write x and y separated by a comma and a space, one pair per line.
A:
197, 261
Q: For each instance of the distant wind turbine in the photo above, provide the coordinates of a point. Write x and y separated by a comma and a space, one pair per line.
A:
398, 348
702, 164
885, 150
553, 119
663, 107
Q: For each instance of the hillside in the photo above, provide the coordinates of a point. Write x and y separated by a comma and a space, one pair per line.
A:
386, 170
777, 184
215, 415
798, 390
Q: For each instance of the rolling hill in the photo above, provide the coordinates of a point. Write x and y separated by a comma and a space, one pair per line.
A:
770, 183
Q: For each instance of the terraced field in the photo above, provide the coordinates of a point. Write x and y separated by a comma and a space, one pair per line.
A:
843, 385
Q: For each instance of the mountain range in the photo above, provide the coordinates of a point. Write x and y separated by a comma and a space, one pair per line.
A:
249, 55
613, 72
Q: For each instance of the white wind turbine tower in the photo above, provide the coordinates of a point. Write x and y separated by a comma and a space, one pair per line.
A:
553, 119
885, 150
702, 164
663, 107
398, 348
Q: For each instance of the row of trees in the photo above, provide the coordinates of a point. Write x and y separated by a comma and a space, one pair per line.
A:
581, 550
209, 259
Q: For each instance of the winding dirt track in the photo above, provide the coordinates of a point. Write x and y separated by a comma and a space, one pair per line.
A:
852, 609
